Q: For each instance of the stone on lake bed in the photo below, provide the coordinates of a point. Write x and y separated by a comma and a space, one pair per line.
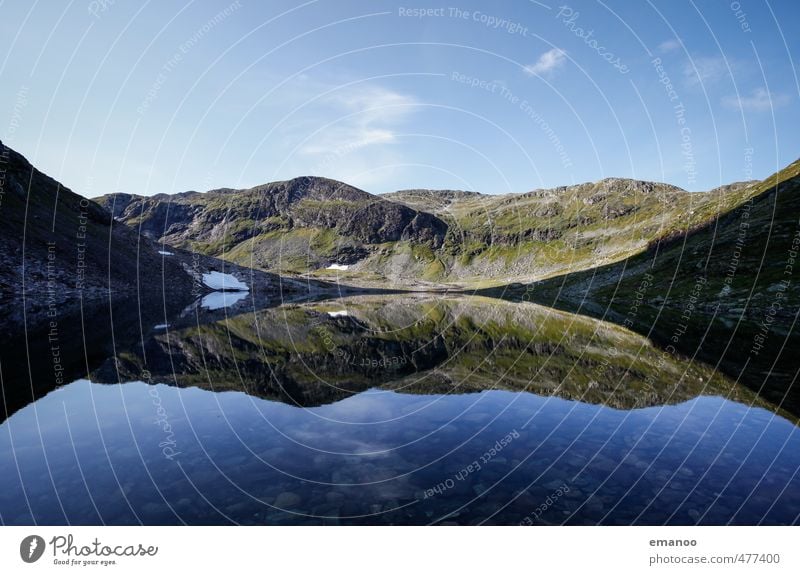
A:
287, 499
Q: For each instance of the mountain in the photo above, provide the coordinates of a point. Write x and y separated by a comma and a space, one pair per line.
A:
296, 225
726, 292
423, 237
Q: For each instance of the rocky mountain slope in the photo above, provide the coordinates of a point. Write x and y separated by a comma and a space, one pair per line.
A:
58, 248
423, 237
60, 252
298, 225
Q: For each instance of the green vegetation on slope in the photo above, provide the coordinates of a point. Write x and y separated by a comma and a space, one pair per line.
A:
726, 290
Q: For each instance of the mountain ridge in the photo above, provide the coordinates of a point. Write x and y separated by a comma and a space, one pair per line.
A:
421, 237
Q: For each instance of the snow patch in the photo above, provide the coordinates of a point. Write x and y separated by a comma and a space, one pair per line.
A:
221, 281
340, 313
221, 299
161, 326
340, 267
165, 253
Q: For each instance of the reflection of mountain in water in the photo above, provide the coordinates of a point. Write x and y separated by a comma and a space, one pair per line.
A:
45, 354
311, 354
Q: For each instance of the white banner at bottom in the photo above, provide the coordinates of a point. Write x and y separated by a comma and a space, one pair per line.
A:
401, 550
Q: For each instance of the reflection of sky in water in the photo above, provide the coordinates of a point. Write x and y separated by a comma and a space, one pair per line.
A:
377, 454
221, 299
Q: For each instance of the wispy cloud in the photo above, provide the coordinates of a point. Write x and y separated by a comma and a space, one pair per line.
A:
711, 70
547, 62
759, 100
347, 132
705, 70
669, 45
366, 117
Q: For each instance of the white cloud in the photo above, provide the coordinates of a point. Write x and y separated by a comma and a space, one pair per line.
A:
360, 118
705, 70
547, 62
759, 100
669, 45
378, 102
345, 132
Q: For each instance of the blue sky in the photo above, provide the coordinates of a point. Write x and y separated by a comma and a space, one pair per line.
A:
497, 97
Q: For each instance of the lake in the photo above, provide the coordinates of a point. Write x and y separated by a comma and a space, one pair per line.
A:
407, 409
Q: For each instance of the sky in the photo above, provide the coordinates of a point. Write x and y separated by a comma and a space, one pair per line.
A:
497, 97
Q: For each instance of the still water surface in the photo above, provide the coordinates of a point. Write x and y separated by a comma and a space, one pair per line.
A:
404, 410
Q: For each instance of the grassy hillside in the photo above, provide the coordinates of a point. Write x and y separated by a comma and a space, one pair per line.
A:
727, 291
